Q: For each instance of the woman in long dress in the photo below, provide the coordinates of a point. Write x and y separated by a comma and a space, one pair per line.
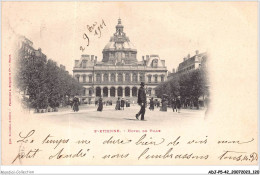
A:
123, 104
118, 104
75, 104
151, 104
174, 106
178, 104
100, 105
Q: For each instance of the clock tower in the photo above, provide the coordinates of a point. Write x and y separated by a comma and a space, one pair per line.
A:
119, 50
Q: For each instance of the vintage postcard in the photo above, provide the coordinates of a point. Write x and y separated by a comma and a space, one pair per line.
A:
129, 83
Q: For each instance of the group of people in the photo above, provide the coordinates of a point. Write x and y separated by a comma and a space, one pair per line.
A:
120, 104
176, 104
141, 100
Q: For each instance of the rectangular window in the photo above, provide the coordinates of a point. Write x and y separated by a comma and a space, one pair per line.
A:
155, 80
162, 79
149, 79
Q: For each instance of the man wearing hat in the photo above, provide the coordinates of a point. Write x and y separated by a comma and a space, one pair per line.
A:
141, 101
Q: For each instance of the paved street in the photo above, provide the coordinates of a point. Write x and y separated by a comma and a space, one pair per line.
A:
89, 116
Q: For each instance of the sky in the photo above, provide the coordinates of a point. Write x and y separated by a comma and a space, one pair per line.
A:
171, 30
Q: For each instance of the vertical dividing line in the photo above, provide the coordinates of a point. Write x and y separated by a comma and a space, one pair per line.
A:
74, 54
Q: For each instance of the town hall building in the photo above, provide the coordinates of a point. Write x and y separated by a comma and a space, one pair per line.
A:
119, 73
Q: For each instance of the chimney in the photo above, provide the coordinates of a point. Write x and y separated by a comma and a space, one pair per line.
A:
147, 57
173, 70
184, 59
197, 52
143, 57
92, 57
95, 59
76, 63
188, 56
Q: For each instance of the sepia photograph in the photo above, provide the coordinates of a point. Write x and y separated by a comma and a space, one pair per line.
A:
129, 83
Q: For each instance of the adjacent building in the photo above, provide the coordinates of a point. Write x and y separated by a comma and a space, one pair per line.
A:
190, 63
120, 72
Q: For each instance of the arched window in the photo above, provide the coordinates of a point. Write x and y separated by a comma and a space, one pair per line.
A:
105, 91
134, 91
127, 91
112, 92
120, 91
98, 91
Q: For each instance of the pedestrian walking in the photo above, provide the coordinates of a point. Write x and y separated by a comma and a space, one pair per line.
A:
75, 106
158, 104
118, 104
100, 104
141, 101
164, 104
123, 104
178, 104
151, 104
174, 106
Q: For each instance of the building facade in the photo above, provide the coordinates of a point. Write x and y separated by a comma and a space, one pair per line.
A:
190, 63
119, 73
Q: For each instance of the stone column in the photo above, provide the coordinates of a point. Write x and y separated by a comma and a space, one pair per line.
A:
109, 78
130, 95
130, 77
101, 91
108, 92
123, 91
153, 91
86, 92
101, 77
138, 76
123, 77
116, 74
115, 91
